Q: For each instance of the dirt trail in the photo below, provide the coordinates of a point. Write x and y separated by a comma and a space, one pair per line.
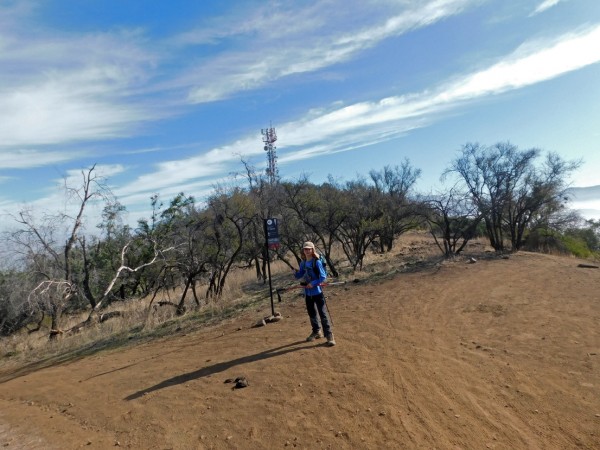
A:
501, 354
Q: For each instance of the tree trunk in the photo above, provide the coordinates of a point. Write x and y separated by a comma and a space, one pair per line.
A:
55, 318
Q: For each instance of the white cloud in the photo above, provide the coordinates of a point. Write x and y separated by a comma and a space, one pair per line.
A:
262, 21
23, 159
55, 112
73, 177
532, 63
271, 56
344, 128
66, 88
179, 172
545, 5
75, 88
59, 88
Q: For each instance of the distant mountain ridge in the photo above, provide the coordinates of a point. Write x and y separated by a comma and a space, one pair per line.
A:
585, 200
582, 194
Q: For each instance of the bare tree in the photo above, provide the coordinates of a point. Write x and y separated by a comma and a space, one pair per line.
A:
453, 220
50, 260
394, 184
509, 190
59, 263
232, 212
320, 209
363, 221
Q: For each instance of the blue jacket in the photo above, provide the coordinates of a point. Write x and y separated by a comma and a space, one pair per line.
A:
306, 271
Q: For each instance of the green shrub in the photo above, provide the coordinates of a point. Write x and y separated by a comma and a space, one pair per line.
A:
576, 246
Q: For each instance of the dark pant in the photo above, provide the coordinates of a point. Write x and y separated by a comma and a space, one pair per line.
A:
316, 304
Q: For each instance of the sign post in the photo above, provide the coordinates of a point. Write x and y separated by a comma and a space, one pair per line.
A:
271, 241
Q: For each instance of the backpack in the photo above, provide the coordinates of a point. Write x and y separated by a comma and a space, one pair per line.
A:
323, 263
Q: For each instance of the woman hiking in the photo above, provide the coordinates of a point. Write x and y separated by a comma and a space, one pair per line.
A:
313, 273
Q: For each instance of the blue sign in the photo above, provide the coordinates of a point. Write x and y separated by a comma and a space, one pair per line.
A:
272, 233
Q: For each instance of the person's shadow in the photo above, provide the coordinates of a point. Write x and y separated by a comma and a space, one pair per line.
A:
220, 367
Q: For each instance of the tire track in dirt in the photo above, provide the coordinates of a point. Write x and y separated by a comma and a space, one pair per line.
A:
499, 354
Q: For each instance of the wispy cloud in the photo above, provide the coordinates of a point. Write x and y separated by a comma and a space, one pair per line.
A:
269, 56
546, 4
59, 88
531, 63
23, 159
74, 177
54, 112
361, 124
65, 88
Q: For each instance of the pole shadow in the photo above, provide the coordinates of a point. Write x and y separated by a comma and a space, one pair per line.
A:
220, 367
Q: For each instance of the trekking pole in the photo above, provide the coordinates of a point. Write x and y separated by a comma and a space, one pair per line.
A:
299, 286
327, 308
280, 291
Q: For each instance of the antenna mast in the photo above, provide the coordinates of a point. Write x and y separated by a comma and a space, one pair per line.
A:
269, 138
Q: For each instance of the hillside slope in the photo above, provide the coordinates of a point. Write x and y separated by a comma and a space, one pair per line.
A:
502, 354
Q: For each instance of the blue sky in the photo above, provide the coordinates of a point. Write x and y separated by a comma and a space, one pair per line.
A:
168, 96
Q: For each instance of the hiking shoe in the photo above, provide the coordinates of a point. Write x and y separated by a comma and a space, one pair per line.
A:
330, 340
313, 336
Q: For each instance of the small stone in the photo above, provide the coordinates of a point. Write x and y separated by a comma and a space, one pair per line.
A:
241, 382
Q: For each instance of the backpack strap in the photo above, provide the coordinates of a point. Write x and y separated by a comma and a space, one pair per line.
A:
313, 267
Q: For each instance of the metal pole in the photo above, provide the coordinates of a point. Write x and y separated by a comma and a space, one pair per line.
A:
269, 268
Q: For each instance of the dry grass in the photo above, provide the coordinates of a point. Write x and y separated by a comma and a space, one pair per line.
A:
141, 321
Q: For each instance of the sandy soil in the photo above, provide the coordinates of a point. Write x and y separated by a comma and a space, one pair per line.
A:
502, 354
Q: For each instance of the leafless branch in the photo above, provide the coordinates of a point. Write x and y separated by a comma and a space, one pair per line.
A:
123, 267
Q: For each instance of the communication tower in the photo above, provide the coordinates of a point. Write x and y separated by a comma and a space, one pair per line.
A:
269, 138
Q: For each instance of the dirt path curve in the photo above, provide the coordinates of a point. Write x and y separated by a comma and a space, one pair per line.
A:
501, 354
